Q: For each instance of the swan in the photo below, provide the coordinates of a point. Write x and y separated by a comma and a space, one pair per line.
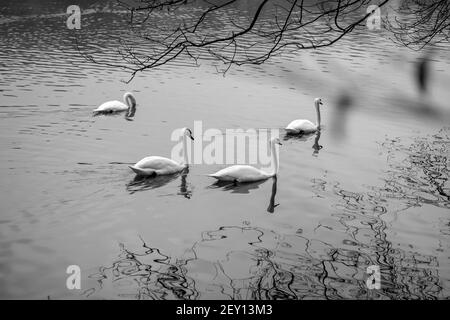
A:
306, 126
117, 106
245, 173
155, 165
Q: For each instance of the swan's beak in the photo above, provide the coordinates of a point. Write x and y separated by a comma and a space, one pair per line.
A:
321, 103
279, 143
191, 137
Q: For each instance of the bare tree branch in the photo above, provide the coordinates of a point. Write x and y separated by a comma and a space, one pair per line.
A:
163, 31
418, 23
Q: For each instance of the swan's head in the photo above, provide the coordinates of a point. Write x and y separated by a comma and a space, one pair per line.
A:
318, 101
187, 132
129, 99
276, 141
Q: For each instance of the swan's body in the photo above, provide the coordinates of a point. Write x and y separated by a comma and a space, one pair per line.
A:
301, 125
245, 173
305, 126
117, 106
155, 165
241, 173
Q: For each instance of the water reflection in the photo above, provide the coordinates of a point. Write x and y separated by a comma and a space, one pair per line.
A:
246, 262
46, 102
405, 273
245, 188
316, 146
272, 205
328, 262
144, 274
236, 187
305, 137
299, 137
418, 172
130, 113
143, 183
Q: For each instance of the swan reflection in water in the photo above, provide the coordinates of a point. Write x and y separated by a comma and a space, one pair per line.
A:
272, 205
245, 188
130, 114
143, 183
305, 137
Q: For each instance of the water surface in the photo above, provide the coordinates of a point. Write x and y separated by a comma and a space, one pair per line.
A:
372, 189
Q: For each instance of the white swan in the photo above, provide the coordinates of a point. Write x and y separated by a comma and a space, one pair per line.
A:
306, 126
245, 173
117, 106
155, 165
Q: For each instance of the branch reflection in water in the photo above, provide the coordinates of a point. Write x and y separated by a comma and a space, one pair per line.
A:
250, 262
144, 274
236, 262
418, 172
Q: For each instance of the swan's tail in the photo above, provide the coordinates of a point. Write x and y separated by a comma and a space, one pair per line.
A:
142, 172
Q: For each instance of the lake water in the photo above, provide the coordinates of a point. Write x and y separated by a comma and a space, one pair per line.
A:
372, 189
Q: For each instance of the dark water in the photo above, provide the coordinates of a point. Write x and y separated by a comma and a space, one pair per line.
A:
372, 189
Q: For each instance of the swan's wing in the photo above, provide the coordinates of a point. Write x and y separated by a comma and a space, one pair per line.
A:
240, 173
157, 163
112, 106
301, 125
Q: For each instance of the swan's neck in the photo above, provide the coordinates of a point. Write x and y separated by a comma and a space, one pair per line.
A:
275, 163
129, 100
185, 155
318, 115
